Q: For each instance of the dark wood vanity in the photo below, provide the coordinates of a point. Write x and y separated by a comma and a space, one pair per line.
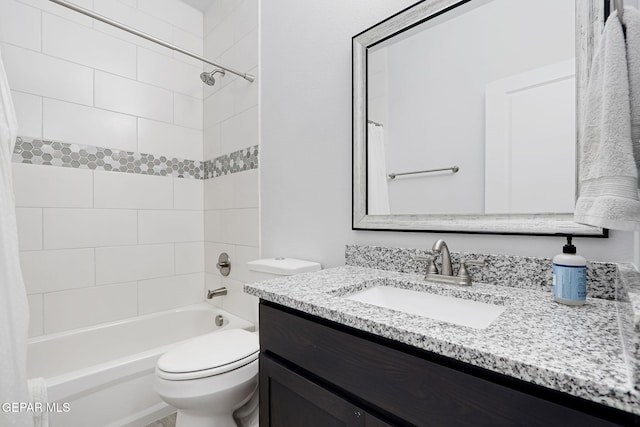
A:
314, 372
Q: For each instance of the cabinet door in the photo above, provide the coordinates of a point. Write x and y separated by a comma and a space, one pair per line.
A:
287, 399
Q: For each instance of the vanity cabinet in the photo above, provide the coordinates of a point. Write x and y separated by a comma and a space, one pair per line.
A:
314, 372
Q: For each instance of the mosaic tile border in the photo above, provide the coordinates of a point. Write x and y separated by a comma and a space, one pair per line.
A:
55, 153
237, 161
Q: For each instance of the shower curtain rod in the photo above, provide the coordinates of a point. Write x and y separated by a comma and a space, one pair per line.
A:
128, 29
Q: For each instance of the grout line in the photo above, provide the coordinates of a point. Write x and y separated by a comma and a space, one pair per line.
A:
137, 297
42, 225
95, 266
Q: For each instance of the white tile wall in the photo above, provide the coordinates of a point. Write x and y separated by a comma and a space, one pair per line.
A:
38, 186
187, 111
89, 306
129, 96
135, 18
241, 272
212, 142
83, 233
241, 226
168, 139
188, 194
244, 53
237, 302
213, 230
132, 191
176, 75
246, 189
219, 39
231, 202
87, 228
178, 13
246, 93
29, 228
170, 226
189, 257
20, 24
48, 271
246, 19
240, 131
168, 292
100, 128
36, 326
58, 10
219, 106
189, 42
83, 45
218, 192
126, 263
62, 80
29, 112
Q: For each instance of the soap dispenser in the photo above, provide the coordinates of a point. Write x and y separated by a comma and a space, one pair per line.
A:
569, 276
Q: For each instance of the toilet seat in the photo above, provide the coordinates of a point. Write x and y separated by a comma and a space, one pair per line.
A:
208, 355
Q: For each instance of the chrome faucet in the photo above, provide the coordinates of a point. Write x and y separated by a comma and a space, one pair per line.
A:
217, 293
440, 248
446, 275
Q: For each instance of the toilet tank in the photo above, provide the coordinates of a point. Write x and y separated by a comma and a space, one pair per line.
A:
269, 268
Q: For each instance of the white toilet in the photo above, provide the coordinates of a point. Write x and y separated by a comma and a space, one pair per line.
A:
207, 378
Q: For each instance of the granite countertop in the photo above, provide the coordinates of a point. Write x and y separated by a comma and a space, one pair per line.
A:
578, 350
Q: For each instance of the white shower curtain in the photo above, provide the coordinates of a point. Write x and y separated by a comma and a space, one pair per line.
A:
14, 311
377, 186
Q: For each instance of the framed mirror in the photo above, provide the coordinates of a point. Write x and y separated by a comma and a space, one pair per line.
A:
466, 116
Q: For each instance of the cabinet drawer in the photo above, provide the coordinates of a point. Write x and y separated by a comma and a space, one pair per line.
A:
419, 387
297, 401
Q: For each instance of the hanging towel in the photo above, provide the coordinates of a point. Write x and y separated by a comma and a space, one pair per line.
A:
377, 186
38, 394
608, 172
631, 20
14, 312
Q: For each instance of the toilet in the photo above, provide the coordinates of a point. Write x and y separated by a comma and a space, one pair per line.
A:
207, 378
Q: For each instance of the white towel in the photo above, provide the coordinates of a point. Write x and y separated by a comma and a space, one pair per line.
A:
14, 311
631, 19
608, 172
38, 394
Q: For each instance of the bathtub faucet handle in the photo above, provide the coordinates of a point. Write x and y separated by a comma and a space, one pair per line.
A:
224, 264
217, 293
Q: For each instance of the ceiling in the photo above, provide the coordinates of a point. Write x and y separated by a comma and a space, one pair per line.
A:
201, 5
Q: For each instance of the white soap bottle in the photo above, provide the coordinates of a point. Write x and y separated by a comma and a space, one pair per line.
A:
569, 276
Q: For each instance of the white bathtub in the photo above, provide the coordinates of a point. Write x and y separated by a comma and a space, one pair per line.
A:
105, 372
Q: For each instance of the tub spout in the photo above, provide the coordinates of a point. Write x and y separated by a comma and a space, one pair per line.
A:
217, 293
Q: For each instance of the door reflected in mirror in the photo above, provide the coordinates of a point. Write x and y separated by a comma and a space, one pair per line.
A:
487, 87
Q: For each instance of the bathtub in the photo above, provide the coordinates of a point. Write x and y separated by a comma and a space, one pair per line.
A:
105, 373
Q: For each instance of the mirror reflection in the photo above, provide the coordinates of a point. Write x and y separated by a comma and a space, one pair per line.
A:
487, 93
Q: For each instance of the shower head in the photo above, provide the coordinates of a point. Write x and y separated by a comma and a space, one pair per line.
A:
207, 77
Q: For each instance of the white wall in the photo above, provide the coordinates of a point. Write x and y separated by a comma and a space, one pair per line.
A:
231, 124
98, 246
305, 178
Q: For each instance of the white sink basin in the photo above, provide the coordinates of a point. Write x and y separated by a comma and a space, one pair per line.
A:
458, 311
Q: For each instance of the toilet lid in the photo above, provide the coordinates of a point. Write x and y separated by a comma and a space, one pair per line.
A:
211, 354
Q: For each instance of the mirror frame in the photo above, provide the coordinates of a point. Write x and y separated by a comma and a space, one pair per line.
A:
589, 24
